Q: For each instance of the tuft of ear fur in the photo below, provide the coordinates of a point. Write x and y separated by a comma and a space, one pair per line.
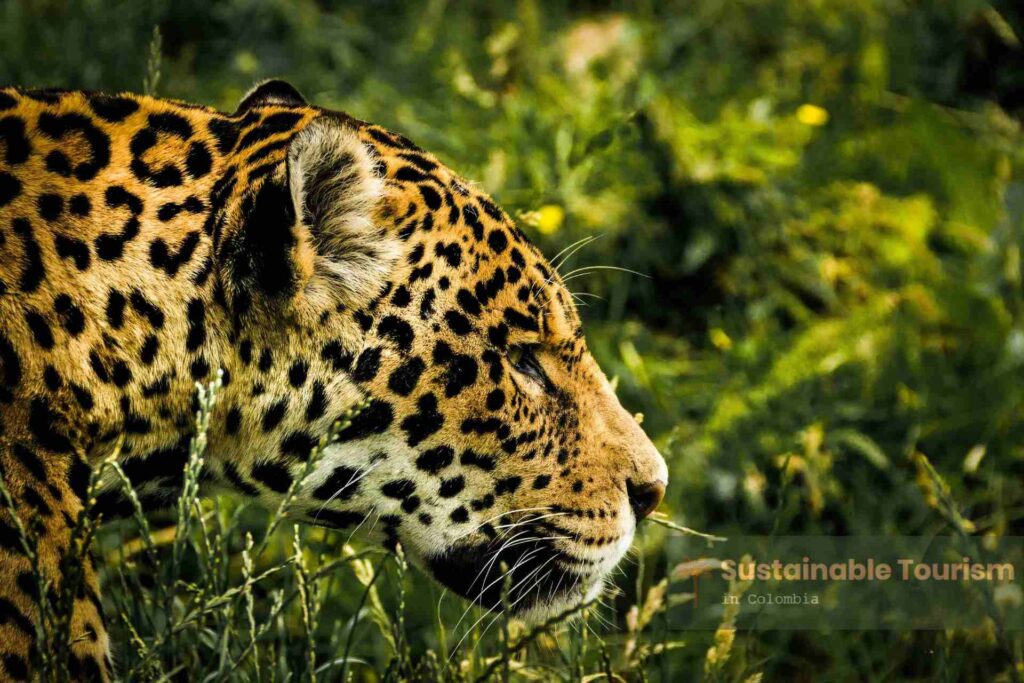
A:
335, 192
271, 92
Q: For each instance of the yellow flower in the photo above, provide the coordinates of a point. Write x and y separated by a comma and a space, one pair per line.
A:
549, 218
720, 339
812, 115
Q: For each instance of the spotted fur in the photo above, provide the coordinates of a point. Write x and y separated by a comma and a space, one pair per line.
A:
318, 260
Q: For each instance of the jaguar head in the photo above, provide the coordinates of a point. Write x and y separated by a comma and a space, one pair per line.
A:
491, 447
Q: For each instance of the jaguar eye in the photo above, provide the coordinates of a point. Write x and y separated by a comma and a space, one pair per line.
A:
524, 361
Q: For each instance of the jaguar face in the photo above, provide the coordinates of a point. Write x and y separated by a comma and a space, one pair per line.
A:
492, 445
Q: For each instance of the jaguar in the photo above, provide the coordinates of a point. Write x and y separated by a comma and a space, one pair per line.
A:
313, 262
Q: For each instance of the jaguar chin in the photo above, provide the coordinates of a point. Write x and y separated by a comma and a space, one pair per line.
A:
534, 564
526, 573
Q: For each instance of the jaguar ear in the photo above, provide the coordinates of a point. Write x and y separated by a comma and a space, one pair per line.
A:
271, 92
336, 191
310, 233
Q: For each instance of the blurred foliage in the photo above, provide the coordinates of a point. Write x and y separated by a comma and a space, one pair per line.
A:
824, 197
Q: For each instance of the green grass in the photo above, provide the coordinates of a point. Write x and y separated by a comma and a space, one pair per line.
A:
196, 596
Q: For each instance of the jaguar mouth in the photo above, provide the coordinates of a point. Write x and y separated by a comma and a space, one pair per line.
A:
529, 577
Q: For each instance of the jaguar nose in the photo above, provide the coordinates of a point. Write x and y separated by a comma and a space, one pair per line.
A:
644, 498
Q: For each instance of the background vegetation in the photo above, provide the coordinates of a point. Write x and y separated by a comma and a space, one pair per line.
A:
826, 198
